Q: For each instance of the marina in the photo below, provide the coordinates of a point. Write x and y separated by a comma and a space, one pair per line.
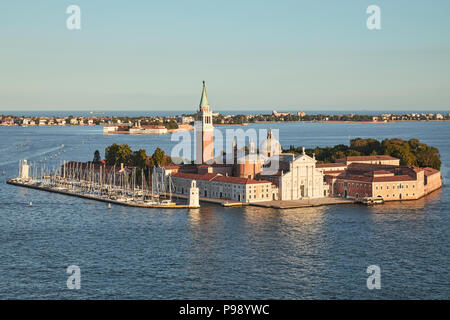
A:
98, 183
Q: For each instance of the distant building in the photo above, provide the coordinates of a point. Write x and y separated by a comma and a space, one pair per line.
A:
280, 114
109, 129
187, 119
148, 129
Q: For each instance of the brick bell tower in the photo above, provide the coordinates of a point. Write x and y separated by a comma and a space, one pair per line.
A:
204, 138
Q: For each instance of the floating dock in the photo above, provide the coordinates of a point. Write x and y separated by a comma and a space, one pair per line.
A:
95, 197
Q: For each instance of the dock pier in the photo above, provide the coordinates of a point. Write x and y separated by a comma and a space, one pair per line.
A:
30, 185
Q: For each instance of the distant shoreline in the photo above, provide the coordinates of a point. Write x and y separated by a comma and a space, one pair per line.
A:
227, 125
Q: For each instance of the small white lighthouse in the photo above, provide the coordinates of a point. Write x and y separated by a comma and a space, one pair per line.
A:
193, 200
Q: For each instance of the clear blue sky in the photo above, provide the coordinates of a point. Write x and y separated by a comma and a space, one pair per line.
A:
283, 55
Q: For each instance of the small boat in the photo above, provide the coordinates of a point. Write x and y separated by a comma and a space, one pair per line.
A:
167, 202
369, 201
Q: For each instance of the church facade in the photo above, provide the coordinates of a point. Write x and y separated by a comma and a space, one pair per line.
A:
298, 178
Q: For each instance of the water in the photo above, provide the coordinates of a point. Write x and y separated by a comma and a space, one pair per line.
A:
171, 112
215, 252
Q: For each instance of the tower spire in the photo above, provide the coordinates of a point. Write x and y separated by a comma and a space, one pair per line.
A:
204, 100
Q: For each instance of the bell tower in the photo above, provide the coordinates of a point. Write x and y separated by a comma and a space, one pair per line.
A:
204, 135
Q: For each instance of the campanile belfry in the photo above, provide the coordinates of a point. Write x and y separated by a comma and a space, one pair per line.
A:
204, 135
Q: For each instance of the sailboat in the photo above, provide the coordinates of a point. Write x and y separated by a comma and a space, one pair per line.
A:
167, 202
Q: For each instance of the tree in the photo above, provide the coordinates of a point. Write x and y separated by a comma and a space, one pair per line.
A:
97, 157
158, 158
139, 158
116, 154
410, 153
171, 125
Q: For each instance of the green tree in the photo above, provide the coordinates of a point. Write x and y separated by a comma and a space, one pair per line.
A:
158, 157
365, 146
116, 154
171, 125
97, 157
139, 158
353, 153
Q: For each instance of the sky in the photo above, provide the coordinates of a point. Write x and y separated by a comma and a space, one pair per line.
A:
253, 55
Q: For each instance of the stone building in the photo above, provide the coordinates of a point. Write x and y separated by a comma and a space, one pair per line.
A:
212, 185
389, 182
298, 178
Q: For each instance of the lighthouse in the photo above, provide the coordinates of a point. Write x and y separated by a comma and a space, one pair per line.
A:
204, 132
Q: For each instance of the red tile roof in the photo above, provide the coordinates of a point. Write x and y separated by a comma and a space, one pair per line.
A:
217, 177
334, 172
394, 178
195, 176
171, 166
360, 178
430, 171
239, 180
375, 172
367, 158
330, 165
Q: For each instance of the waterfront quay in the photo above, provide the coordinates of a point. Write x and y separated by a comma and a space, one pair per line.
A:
31, 185
302, 203
293, 204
